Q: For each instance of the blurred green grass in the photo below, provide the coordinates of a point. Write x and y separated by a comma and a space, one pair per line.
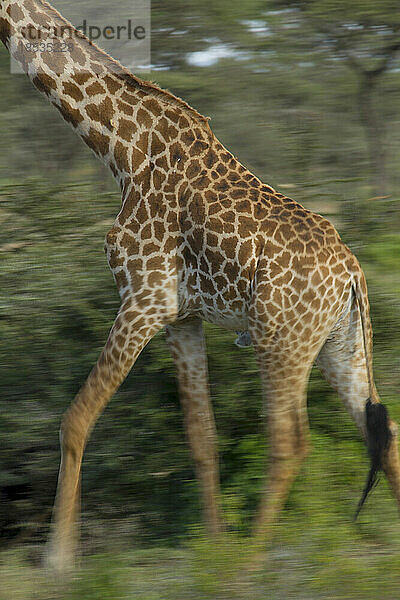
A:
310, 559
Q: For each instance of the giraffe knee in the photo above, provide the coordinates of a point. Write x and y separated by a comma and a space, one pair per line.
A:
292, 453
291, 442
204, 456
73, 433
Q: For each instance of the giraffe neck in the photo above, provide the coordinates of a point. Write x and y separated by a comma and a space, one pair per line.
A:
126, 121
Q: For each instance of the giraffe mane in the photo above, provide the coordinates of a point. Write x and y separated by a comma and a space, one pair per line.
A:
131, 80
162, 95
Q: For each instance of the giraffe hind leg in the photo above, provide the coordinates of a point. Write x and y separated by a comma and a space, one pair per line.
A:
284, 380
342, 362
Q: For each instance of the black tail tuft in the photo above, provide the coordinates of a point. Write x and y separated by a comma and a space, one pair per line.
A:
378, 439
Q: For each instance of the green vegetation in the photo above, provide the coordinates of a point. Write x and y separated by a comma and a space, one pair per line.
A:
288, 107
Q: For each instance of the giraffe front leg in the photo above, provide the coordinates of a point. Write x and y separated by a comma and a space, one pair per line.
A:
186, 342
132, 329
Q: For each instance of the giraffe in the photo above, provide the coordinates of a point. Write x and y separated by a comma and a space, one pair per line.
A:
199, 238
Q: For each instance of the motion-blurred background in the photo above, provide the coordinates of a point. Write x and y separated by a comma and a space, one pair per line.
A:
307, 95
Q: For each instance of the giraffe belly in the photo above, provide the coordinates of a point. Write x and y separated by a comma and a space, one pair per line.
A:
228, 320
213, 308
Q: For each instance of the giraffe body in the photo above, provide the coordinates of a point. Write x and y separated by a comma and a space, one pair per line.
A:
199, 237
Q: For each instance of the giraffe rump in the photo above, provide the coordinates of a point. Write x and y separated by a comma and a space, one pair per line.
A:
378, 440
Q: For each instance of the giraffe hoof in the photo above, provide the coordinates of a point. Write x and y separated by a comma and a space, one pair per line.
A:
60, 565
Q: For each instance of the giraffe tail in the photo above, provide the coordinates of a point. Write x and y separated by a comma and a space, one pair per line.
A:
378, 440
376, 415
